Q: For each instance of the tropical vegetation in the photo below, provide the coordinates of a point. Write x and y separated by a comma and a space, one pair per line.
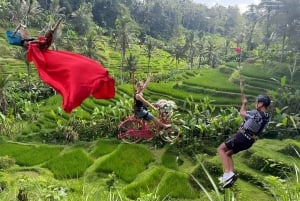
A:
47, 154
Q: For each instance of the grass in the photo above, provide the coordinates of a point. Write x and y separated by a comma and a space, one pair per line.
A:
170, 159
141, 170
69, 165
291, 148
127, 161
176, 185
243, 189
37, 155
213, 79
146, 182
13, 149
104, 147
267, 147
179, 96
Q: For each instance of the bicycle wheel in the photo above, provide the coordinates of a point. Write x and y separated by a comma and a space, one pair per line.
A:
129, 131
170, 135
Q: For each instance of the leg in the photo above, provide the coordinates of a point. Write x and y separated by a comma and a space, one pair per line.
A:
226, 157
160, 124
23, 32
230, 161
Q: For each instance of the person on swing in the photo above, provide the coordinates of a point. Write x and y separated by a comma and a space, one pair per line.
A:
21, 37
141, 104
255, 121
74, 76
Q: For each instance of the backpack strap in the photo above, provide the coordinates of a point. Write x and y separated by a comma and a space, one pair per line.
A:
265, 121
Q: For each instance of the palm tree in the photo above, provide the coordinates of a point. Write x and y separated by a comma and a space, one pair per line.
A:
253, 16
200, 47
212, 53
190, 48
131, 67
270, 7
131, 64
177, 51
150, 46
288, 28
83, 19
125, 32
90, 48
293, 66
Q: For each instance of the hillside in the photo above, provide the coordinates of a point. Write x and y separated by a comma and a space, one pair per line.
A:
41, 153
140, 169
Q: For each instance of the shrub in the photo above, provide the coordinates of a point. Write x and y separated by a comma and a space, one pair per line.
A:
6, 162
3, 185
292, 148
284, 190
269, 165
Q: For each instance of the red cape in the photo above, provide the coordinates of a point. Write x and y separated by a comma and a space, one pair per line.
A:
74, 76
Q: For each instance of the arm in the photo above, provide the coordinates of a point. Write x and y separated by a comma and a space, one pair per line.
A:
24, 33
141, 98
149, 78
243, 109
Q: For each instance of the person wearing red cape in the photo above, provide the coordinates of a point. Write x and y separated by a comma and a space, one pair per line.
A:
72, 75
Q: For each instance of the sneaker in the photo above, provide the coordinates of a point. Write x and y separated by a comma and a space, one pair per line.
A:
225, 177
229, 183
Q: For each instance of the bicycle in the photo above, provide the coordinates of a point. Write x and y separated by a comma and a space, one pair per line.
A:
134, 129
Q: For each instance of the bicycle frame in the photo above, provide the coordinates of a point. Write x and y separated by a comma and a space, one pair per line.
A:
133, 129
143, 131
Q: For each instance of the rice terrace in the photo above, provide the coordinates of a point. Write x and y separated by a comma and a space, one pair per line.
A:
203, 60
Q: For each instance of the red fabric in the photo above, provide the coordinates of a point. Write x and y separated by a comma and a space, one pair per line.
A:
238, 50
74, 76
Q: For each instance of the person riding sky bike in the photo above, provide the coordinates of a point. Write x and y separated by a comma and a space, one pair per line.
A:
141, 104
255, 121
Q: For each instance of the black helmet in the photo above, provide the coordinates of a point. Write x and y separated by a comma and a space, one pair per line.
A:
264, 99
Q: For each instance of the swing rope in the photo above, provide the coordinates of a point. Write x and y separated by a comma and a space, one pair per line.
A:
241, 83
133, 88
25, 18
240, 74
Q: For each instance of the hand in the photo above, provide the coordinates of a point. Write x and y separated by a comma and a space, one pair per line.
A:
150, 76
244, 100
155, 108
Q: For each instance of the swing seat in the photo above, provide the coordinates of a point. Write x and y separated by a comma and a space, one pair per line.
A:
14, 38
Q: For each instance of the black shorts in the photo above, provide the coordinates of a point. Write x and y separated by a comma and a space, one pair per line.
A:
238, 143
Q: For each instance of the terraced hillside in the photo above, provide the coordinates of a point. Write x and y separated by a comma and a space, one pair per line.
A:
140, 169
97, 161
220, 85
